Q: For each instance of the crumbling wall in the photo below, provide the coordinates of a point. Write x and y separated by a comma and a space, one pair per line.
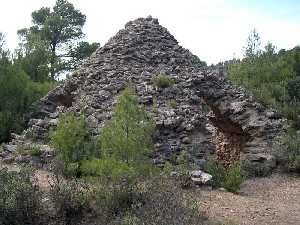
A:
245, 129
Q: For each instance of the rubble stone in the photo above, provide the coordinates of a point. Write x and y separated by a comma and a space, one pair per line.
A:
236, 127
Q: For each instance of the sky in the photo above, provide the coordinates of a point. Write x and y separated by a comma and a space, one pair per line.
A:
215, 30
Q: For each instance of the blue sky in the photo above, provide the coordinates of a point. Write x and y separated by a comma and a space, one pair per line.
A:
215, 30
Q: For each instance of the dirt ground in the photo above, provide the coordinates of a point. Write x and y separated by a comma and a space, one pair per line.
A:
272, 200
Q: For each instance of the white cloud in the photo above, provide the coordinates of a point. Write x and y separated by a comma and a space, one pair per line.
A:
213, 29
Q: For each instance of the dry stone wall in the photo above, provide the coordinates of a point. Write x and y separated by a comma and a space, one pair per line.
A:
138, 52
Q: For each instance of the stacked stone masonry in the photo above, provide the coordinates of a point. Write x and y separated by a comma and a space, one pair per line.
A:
235, 125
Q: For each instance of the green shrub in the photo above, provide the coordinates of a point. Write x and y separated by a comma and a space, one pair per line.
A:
72, 139
293, 88
233, 178
167, 169
162, 81
19, 198
108, 168
35, 152
287, 151
164, 203
216, 170
255, 169
230, 178
116, 170
117, 199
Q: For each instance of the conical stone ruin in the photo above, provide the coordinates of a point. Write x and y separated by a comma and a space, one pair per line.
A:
211, 116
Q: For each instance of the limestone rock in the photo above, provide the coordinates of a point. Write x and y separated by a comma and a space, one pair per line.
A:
199, 177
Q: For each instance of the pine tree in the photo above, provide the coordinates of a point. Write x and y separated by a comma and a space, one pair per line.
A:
129, 135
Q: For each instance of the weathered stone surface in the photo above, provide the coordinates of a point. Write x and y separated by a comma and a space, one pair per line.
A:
243, 126
236, 124
199, 177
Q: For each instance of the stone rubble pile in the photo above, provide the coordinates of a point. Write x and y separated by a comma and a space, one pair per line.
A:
138, 52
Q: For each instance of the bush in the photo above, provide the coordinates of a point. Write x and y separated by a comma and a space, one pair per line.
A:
162, 81
72, 140
287, 151
108, 168
116, 199
71, 201
19, 199
155, 201
17, 95
293, 88
111, 169
165, 203
230, 178
256, 169
217, 171
35, 152
233, 178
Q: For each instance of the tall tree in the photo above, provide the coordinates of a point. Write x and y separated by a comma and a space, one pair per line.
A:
17, 93
252, 49
58, 29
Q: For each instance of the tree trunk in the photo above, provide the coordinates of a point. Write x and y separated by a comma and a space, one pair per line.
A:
52, 61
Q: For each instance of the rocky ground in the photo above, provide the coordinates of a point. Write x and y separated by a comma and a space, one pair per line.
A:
273, 200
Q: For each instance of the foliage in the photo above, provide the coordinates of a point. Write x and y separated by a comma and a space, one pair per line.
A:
255, 169
162, 81
217, 171
53, 44
165, 203
270, 76
108, 168
20, 199
253, 45
79, 52
287, 151
293, 88
72, 139
116, 199
111, 169
233, 178
129, 135
230, 178
35, 152
71, 200
33, 57
125, 143
17, 94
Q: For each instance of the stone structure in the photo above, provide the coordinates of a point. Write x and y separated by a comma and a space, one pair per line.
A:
210, 114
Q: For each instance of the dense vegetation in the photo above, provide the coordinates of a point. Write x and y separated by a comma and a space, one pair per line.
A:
52, 46
274, 79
